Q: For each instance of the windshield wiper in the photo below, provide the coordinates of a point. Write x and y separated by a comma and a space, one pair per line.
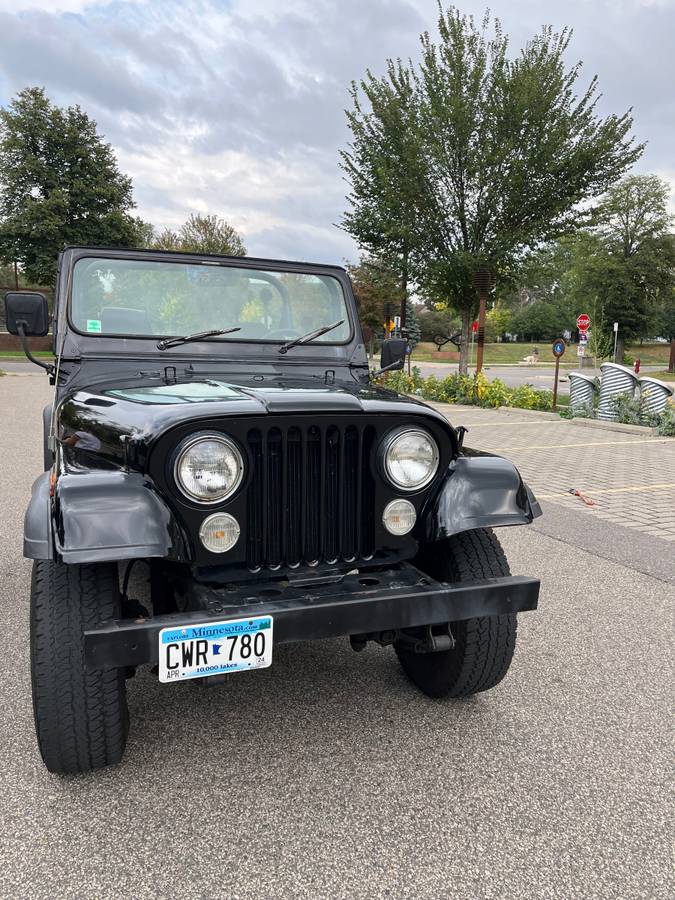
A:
198, 336
306, 338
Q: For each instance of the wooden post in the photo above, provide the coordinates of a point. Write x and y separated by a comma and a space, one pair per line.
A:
483, 280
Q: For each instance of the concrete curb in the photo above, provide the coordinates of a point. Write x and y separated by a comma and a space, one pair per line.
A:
643, 430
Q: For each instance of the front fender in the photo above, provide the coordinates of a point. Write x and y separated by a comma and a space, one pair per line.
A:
480, 491
37, 523
101, 516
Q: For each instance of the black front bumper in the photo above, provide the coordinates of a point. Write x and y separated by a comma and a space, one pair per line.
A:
304, 610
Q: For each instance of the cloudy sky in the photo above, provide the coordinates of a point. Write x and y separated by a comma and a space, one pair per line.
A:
236, 107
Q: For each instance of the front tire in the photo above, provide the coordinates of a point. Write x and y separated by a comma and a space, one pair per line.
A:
483, 646
81, 717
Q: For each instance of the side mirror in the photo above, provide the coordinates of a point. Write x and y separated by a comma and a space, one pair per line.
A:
393, 354
29, 310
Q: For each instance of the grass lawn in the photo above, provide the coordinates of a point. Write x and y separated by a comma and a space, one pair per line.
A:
662, 376
505, 354
11, 354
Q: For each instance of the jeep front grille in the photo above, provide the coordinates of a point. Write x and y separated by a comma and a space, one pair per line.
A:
311, 495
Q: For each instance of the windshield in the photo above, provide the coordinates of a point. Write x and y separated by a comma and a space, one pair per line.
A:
143, 298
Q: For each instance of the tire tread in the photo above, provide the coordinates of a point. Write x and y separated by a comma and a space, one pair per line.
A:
484, 645
81, 717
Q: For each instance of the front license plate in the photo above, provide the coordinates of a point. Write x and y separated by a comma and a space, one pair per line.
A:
215, 648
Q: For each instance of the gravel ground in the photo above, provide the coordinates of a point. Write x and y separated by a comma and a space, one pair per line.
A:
328, 775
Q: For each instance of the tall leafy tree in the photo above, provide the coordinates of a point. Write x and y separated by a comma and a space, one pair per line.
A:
376, 288
202, 234
474, 155
627, 261
59, 185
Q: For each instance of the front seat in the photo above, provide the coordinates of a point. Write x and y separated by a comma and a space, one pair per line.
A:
124, 320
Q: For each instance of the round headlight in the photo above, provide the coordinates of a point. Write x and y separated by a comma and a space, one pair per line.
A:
209, 469
411, 459
219, 532
399, 516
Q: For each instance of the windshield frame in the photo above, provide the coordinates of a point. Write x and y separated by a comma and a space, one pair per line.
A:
262, 266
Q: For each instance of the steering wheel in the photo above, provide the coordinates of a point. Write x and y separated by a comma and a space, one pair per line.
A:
282, 334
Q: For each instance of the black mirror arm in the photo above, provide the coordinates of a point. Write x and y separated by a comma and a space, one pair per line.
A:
396, 364
20, 328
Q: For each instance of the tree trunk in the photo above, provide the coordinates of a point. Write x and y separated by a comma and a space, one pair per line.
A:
465, 341
620, 348
404, 287
671, 364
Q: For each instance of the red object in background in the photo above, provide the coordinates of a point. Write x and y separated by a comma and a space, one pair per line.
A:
637, 365
474, 326
583, 322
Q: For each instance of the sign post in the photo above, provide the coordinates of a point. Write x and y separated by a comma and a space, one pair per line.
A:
583, 324
616, 336
559, 348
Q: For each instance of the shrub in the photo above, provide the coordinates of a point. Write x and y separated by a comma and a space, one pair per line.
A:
630, 411
469, 390
666, 422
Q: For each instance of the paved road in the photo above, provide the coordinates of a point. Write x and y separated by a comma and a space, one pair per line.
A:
328, 775
628, 476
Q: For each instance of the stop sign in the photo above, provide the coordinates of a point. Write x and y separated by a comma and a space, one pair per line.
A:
474, 326
583, 322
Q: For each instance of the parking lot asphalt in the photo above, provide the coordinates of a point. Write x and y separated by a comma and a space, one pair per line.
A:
329, 775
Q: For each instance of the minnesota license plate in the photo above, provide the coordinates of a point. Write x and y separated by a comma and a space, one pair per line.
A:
215, 648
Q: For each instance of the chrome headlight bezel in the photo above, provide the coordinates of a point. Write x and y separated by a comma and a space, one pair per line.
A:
387, 446
188, 445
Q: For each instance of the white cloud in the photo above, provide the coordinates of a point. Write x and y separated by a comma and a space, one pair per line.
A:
54, 6
237, 106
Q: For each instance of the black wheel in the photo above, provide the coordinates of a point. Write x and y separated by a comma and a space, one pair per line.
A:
483, 646
81, 717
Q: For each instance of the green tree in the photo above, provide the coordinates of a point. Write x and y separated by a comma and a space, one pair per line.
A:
412, 323
473, 156
202, 234
385, 146
627, 261
376, 287
539, 321
498, 321
59, 185
435, 321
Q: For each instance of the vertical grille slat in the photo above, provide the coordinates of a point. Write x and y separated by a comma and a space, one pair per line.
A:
311, 495
255, 538
275, 514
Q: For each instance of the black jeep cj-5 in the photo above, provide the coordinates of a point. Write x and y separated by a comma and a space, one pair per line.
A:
214, 421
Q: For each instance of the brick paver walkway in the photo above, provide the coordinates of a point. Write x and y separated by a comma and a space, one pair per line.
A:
630, 477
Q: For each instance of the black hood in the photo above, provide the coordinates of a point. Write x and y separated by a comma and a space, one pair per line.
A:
116, 413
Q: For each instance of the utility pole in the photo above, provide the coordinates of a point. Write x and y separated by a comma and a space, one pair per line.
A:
483, 281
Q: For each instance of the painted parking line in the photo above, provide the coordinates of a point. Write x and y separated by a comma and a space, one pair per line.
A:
583, 444
621, 490
513, 422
